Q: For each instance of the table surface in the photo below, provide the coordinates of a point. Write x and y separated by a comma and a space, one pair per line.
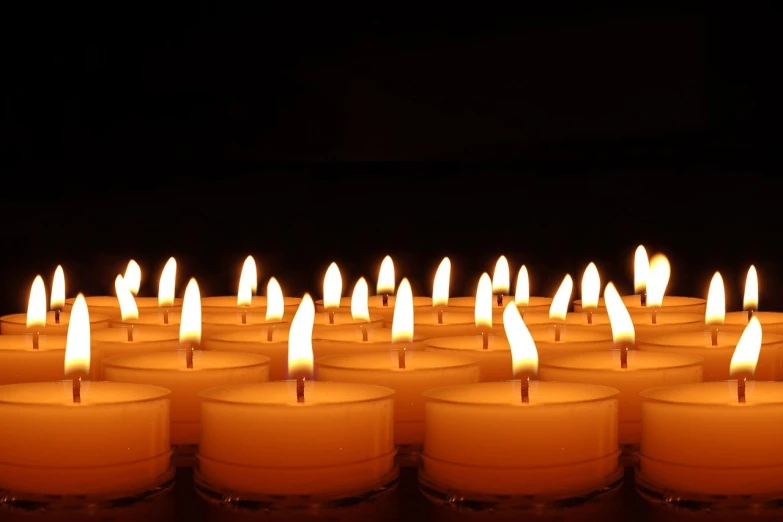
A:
404, 503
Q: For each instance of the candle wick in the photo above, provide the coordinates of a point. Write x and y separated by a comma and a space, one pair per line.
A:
364, 333
244, 315
77, 390
401, 357
750, 314
484, 340
56, 316
741, 390
643, 297
300, 398
557, 333
36, 340
590, 317
130, 333
331, 316
624, 357
166, 316
440, 316
714, 337
385, 300
524, 389
189, 356
500, 299
655, 317
270, 333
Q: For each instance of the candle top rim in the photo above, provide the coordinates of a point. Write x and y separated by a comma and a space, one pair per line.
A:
57, 393
24, 342
155, 334
664, 319
333, 361
701, 339
234, 319
241, 336
562, 362
335, 336
256, 301
148, 360
712, 390
497, 343
541, 333
141, 301
321, 319
506, 393
21, 318
467, 301
220, 394
450, 318
683, 301
345, 301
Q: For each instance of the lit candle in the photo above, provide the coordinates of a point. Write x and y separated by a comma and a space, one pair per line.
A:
332, 316
88, 441
772, 322
715, 442
529, 440
188, 371
327, 342
651, 292
624, 368
716, 344
57, 301
37, 321
296, 440
591, 291
164, 305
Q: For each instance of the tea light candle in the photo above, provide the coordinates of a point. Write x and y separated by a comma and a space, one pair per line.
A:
272, 343
19, 362
297, 438
88, 439
112, 342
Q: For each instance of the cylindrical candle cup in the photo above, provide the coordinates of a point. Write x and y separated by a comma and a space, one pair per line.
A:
20, 362
258, 305
681, 305
494, 361
214, 324
375, 306
114, 341
275, 347
771, 322
571, 341
16, 324
346, 342
110, 307
427, 326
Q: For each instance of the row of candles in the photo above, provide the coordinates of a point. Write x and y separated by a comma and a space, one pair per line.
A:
374, 377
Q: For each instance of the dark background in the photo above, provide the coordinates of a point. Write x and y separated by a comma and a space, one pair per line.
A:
555, 137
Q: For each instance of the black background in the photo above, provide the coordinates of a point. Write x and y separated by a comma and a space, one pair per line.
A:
555, 137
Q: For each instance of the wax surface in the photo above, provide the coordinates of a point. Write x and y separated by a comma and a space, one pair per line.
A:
771, 322
687, 305
116, 440
152, 320
481, 438
342, 321
644, 370
257, 439
110, 306
426, 325
258, 304
697, 438
717, 359
572, 341
423, 371
169, 370
114, 341
535, 304
257, 342
16, 324
20, 363
212, 324
345, 342
375, 305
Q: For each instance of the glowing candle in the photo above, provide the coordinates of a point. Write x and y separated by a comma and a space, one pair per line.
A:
332, 316
57, 301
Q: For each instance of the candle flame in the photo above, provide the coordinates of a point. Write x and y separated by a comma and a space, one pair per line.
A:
167, 284
300, 340
77, 340
559, 307
402, 320
619, 318
36, 306
641, 269
359, 297
128, 308
658, 280
483, 310
440, 285
333, 287
591, 287
385, 283
500, 277
248, 282
522, 291
57, 300
275, 304
190, 319
746, 354
133, 277
715, 312
751, 299
524, 355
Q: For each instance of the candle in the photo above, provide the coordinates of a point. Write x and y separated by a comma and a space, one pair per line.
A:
297, 440
272, 343
37, 321
88, 441
20, 362
539, 441
772, 322
57, 299
715, 442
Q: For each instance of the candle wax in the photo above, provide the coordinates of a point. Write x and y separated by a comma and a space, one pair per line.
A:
375, 305
16, 324
257, 439
152, 320
212, 324
426, 325
20, 363
534, 304
258, 304
346, 342
684, 305
342, 321
110, 306
669, 322
114, 341
494, 362
771, 322
423, 371
169, 370
257, 342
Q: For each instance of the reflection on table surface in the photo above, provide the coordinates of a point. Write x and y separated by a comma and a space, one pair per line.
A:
405, 503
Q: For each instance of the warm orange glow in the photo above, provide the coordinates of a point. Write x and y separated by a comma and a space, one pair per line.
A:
190, 320
333, 287
591, 287
248, 282
483, 310
128, 308
524, 355
300, 340
746, 354
402, 321
715, 312
275, 304
751, 299
440, 286
36, 305
501, 282
559, 307
132, 277
386, 282
641, 270
359, 297
522, 290
57, 300
77, 341
658, 280
167, 284
619, 318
